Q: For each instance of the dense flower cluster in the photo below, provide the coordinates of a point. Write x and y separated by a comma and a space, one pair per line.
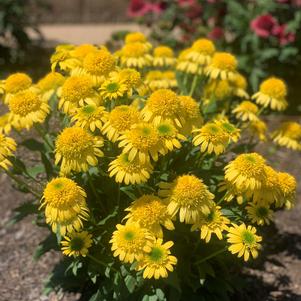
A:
149, 133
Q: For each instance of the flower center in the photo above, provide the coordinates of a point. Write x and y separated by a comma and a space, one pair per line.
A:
156, 254
248, 238
76, 244
112, 87
24, 102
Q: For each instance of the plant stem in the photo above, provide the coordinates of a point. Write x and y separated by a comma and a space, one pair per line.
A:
43, 135
193, 86
211, 255
101, 262
22, 183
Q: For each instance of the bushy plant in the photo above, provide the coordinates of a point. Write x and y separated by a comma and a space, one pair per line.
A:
144, 168
262, 33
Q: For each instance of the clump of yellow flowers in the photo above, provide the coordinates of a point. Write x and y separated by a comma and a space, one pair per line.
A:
147, 168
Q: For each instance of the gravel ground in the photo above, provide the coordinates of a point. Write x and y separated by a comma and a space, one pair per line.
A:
276, 279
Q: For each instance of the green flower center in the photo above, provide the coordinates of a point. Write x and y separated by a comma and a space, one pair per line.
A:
228, 127
58, 185
89, 109
156, 254
210, 217
164, 129
112, 87
214, 129
129, 235
76, 244
146, 131
262, 212
250, 159
248, 238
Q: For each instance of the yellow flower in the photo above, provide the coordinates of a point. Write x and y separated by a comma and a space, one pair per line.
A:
15, 83
269, 191
155, 80
187, 195
191, 117
65, 205
246, 111
288, 186
211, 138
244, 241
49, 84
77, 244
211, 223
142, 141
120, 119
223, 66
97, 65
130, 77
129, 172
239, 84
246, 171
135, 55
81, 51
90, 117
288, 135
232, 131
76, 92
272, 93
112, 89
162, 105
62, 58
163, 57
195, 59
134, 37
150, 212
76, 150
27, 108
258, 128
5, 125
259, 214
128, 242
157, 260
169, 136
218, 90
7, 148
233, 193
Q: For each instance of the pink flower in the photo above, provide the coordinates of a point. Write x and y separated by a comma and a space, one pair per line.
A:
264, 25
139, 8
216, 33
284, 37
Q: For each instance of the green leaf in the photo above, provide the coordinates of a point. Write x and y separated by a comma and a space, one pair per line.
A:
128, 192
23, 211
130, 283
50, 243
33, 145
34, 171
48, 166
108, 217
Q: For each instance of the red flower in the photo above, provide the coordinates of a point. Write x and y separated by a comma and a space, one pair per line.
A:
216, 33
139, 8
264, 25
283, 35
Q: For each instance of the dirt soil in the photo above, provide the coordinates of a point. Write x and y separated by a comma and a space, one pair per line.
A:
276, 277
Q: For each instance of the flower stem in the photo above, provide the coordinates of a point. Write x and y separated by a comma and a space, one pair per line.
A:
211, 255
43, 135
22, 183
193, 86
101, 262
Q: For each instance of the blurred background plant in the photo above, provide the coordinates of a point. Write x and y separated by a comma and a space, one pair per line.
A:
264, 34
17, 19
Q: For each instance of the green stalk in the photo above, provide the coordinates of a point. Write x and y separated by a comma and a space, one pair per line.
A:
22, 183
101, 262
43, 135
214, 254
193, 86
